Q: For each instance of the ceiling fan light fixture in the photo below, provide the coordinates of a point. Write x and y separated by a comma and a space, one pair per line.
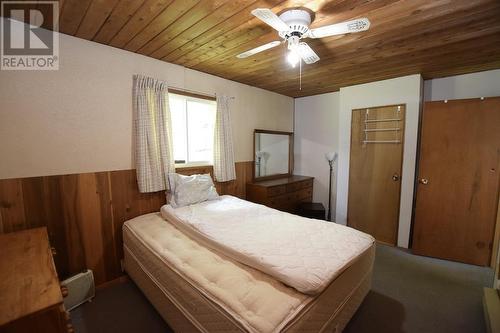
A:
298, 21
293, 58
293, 26
296, 17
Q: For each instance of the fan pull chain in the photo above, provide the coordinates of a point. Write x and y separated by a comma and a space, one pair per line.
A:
300, 74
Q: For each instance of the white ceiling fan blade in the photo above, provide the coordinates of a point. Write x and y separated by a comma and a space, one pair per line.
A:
258, 49
358, 25
306, 53
267, 16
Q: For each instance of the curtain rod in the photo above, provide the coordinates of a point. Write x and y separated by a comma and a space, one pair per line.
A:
195, 93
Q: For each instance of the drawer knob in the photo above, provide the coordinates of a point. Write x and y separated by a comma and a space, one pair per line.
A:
64, 291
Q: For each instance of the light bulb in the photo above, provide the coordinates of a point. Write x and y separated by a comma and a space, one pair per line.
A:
293, 58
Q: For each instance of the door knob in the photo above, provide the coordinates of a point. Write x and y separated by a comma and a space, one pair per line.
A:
423, 181
395, 177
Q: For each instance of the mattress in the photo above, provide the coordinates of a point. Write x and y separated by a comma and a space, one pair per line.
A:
306, 254
198, 289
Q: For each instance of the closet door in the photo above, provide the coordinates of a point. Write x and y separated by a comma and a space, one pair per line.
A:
375, 171
457, 194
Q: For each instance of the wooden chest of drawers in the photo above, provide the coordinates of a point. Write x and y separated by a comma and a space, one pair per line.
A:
284, 193
31, 298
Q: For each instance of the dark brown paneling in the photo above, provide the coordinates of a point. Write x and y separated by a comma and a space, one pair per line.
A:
110, 256
128, 202
36, 215
12, 205
52, 197
435, 38
84, 213
70, 209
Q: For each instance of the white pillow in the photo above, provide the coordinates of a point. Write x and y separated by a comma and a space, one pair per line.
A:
188, 190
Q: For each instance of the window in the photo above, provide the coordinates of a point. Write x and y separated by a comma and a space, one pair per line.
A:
193, 122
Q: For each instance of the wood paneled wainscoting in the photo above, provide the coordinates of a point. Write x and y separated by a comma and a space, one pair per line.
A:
84, 213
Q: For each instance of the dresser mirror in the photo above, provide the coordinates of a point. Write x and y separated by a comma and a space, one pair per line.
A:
273, 154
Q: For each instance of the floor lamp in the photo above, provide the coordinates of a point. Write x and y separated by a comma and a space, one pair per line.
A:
330, 157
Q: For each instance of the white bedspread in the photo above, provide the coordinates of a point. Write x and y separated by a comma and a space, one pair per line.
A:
305, 254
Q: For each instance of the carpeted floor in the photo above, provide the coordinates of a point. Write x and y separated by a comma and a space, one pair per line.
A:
418, 294
409, 294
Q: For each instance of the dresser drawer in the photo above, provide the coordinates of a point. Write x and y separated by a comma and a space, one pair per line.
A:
299, 185
307, 183
289, 200
293, 187
276, 190
284, 194
278, 201
305, 194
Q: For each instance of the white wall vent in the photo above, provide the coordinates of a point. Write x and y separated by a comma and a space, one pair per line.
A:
80, 289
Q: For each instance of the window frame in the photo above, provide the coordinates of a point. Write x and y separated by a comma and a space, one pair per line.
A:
193, 97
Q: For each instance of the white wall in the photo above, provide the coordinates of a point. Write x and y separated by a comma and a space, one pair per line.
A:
316, 133
404, 90
481, 84
79, 118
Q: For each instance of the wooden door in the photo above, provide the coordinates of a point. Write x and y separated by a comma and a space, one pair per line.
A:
457, 194
377, 136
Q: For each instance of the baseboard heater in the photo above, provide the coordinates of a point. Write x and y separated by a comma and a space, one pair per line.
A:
81, 289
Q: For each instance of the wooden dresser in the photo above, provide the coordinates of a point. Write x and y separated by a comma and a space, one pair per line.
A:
284, 193
31, 298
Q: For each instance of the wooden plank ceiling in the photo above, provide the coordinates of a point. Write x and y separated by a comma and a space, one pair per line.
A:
434, 37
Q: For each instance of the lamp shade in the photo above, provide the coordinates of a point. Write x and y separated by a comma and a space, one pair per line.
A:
331, 156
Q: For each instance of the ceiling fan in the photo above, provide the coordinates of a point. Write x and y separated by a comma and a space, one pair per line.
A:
293, 25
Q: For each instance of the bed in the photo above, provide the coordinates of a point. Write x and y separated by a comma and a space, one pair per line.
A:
197, 287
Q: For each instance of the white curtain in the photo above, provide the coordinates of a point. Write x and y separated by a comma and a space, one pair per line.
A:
154, 156
223, 142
